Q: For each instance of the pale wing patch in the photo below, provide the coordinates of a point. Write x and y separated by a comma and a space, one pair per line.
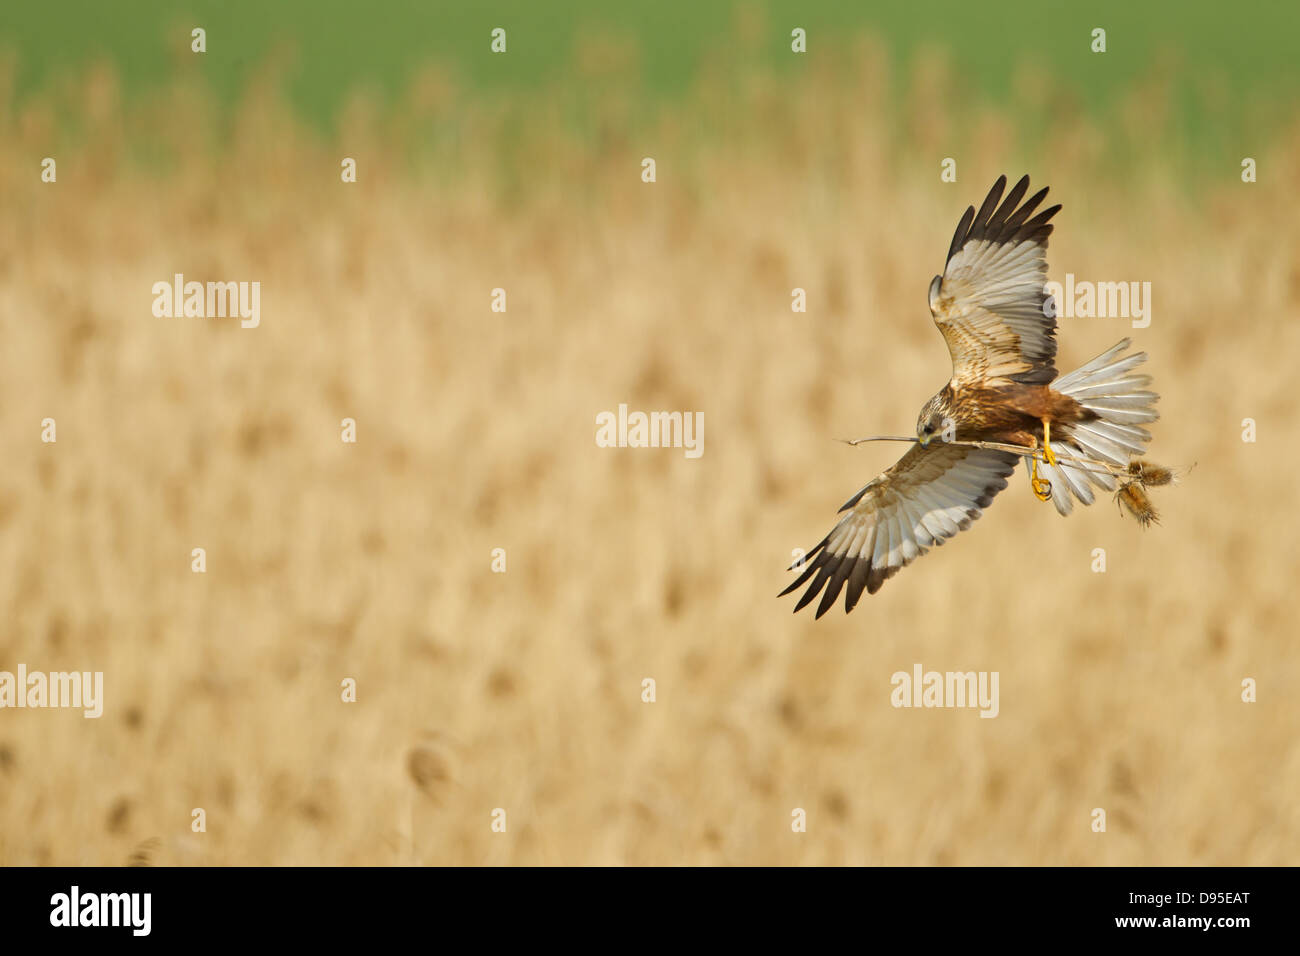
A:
927, 497
989, 303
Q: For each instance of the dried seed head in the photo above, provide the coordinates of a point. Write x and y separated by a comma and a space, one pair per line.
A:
1133, 496
1149, 474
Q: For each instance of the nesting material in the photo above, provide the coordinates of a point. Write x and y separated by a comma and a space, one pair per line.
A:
1132, 493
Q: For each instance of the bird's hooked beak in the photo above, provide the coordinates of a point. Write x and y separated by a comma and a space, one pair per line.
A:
924, 440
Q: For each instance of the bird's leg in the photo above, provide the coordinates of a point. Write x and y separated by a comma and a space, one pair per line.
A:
1041, 486
1047, 443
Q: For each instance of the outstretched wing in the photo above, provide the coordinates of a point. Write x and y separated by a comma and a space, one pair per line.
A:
925, 498
989, 301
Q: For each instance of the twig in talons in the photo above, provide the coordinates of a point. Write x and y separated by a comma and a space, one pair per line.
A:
859, 441
1083, 464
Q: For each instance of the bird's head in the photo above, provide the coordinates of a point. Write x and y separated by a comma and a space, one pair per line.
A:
934, 418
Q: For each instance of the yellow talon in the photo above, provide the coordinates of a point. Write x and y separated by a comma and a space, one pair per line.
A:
1047, 443
1042, 487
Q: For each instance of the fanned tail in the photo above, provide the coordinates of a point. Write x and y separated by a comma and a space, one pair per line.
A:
1108, 387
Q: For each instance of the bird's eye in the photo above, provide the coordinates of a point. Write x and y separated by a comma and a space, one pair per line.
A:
929, 429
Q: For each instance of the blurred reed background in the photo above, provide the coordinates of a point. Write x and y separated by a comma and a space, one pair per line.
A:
476, 431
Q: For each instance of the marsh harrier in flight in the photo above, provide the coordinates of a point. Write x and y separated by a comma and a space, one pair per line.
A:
992, 308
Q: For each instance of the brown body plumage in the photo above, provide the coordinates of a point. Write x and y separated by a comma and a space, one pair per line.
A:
1012, 413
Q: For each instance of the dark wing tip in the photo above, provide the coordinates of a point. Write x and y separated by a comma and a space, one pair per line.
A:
833, 572
963, 229
878, 577
995, 194
839, 572
807, 557
1000, 220
1008, 206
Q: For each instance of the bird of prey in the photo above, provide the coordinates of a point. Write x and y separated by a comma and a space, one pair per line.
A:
992, 308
